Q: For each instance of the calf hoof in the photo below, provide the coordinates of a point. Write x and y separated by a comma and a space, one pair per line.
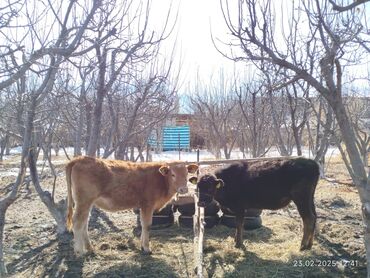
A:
90, 252
145, 252
305, 247
79, 253
136, 232
89, 248
239, 245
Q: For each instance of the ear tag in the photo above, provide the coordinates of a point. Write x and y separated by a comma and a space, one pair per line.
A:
218, 185
193, 181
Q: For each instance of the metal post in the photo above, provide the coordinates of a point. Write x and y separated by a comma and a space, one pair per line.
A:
179, 146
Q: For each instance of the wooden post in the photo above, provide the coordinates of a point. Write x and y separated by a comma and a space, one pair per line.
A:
195, 230
200, 242
198, 227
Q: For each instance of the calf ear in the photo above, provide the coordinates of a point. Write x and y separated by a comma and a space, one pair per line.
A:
220, 183
193, 180
164, 170
192, 168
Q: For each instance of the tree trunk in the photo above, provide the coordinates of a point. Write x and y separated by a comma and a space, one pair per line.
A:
96, 124
101, 91
321, 144
4, 205
348, 136
226, 152
88, 125
132, 153
276, 129
121, 152
4, 148
56, 210
7, 148
3, 269
297, 139
78, 136
7, 201
148, 154
360, 178
140, 154
113, 129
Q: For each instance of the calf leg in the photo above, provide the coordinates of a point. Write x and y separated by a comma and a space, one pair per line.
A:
239, 219
80, 235
306, 209
146, 215
87, 245
313, 211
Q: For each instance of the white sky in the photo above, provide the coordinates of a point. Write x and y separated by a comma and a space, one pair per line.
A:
197, 20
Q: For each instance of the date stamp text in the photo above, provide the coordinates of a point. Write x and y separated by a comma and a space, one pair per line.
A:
325, 263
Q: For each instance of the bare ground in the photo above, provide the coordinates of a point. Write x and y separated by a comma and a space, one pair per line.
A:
33, 249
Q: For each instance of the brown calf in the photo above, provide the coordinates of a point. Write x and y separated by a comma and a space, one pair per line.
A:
117, 185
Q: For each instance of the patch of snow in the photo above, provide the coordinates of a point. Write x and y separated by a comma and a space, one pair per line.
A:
174, 155
12, 172
16, 150
185, 156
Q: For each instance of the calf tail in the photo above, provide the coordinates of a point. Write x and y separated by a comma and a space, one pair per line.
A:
316, 177
316, 173
70, 197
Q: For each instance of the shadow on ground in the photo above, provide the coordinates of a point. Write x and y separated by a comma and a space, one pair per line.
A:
262, 234
306, 264
146, 266
56, 258
60, 261
99, 220
63, 254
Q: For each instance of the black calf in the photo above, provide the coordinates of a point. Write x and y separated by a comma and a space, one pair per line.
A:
265, 185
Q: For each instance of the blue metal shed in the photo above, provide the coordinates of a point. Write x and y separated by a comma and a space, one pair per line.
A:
173, 138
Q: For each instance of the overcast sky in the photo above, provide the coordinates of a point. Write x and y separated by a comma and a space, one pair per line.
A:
196, 21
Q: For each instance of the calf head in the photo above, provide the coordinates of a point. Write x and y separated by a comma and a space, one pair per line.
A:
176, 176
207, 186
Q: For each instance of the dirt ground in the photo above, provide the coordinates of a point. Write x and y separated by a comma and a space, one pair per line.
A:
33, 249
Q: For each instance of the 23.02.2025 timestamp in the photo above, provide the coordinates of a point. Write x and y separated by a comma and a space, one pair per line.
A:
325, 263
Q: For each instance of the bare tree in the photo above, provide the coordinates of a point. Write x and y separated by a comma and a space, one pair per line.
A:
121, 53
350, 6
51, 52
320, 128
215, 105
140, 106
297, 96
9, 132
255, 109
327, 42
358, 109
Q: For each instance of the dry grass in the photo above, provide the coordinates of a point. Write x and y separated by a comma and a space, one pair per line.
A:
33, 249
